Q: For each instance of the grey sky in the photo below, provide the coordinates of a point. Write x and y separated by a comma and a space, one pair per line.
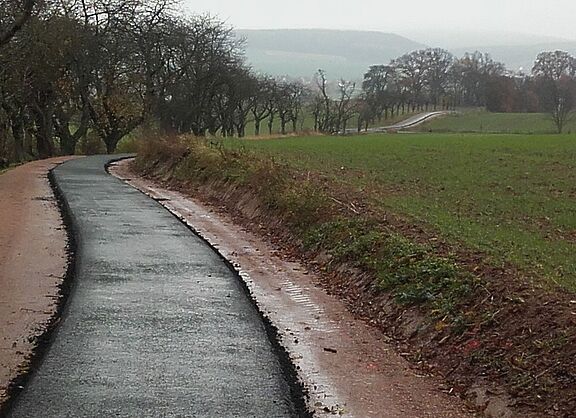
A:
555, 18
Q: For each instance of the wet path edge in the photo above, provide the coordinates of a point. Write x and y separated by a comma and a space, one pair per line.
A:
157, 324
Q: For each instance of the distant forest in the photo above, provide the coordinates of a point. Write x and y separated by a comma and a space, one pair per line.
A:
80, 76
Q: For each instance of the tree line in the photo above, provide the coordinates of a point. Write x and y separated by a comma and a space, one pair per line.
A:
74, 68
433, 78
72, 71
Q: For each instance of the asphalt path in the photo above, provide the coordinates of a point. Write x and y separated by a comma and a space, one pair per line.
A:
157, 325
405, 124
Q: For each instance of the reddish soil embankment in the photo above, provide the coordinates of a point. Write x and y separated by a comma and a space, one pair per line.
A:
33, 261
346, 365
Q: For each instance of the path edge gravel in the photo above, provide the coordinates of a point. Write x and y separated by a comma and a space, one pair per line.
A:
43, 341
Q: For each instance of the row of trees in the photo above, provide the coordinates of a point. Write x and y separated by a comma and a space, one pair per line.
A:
434, 78
75, 69
428, 78
102, 68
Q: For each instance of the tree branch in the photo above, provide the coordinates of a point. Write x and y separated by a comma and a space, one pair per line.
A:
28, 7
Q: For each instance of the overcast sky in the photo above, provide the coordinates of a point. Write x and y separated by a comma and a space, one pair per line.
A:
555, 18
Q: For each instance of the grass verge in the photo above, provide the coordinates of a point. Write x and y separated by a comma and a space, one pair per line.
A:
510, 197
464, 313
481, 121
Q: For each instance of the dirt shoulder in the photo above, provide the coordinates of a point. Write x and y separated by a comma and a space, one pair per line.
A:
33, 262
347, 366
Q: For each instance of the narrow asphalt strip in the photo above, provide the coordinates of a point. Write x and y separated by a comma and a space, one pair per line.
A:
156, 324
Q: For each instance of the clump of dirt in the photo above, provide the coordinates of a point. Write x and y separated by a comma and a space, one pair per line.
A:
500, 331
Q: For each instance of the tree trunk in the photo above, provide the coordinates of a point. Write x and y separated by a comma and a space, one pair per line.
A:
111, 141
44, 145
69, 140
44, 134
67, 143
241, 129
17, 126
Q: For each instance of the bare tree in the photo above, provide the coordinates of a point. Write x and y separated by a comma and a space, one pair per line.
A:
470, 77
298, 93
261, 105
438, 71
565, 102
412, 68
10, 25
380, 88
554, 64
324, 114
284, 104
558, 98
555, 74
345, 108
200, 61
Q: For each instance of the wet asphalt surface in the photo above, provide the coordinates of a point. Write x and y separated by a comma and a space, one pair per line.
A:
156, 325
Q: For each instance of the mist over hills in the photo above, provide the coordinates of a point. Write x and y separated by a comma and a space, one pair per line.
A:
517, 50
454, 39
301, 52
348, 54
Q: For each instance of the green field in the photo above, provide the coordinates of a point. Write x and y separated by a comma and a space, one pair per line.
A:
485, 122
473, 233
465, 121
512, 197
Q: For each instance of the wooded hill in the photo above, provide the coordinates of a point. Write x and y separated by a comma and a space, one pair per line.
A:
347, 54
301, 52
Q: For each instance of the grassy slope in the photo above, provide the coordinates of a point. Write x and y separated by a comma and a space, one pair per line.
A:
510, 196
361, 202
486, 122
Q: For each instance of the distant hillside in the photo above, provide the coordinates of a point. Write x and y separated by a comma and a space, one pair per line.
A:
516, 50
348, 54
301, 52
457, 39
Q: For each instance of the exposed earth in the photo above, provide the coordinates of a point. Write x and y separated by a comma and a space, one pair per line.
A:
347, 366
33, 263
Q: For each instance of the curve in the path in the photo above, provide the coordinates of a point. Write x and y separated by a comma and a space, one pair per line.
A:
405, 124
157, 325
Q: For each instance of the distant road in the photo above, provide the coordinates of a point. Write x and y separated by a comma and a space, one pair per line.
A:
405, 124
157, 325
